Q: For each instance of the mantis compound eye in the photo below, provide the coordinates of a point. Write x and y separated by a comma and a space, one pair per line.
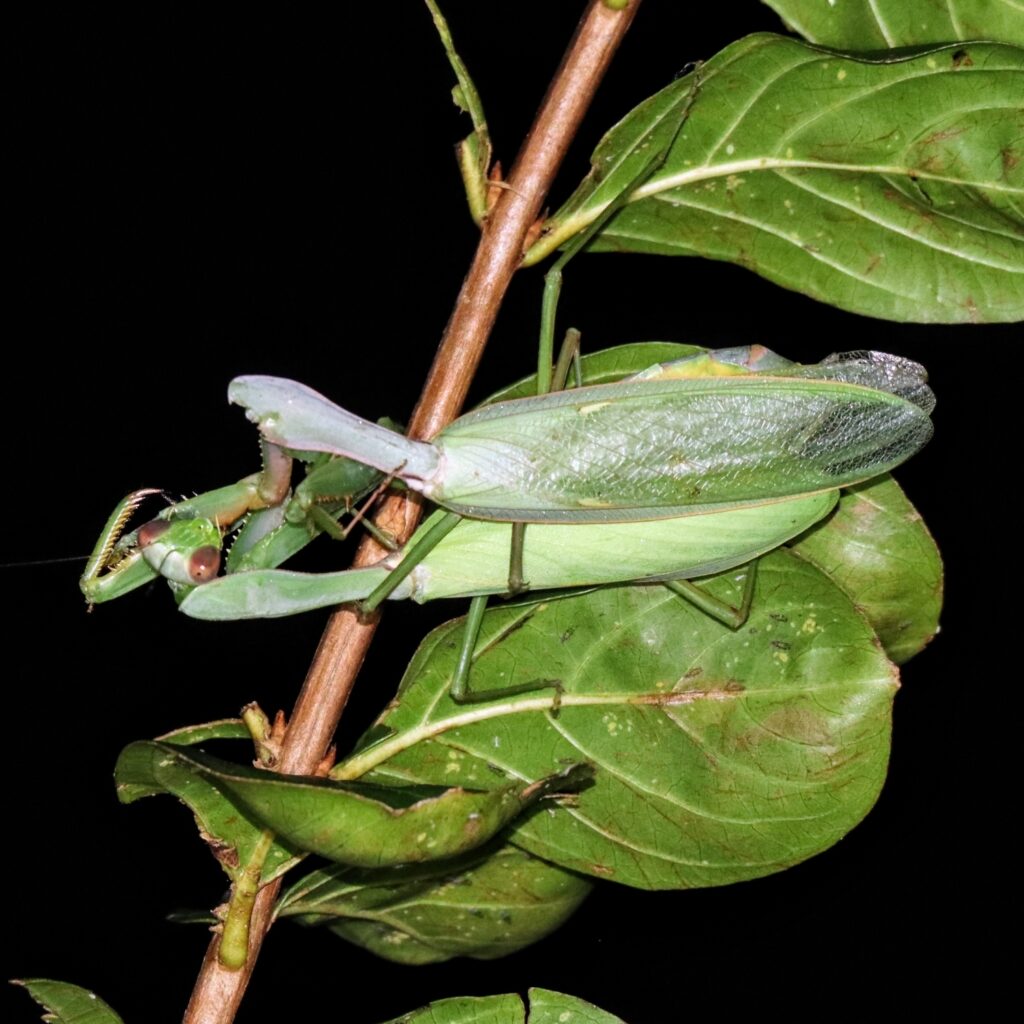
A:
150, 531
203, 564
185, 551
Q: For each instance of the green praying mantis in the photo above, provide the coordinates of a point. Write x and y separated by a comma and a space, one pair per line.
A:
686, 469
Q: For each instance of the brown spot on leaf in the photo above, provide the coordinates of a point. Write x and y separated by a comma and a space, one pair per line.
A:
224, 852
962, 59
940, 136
714, 690
872, 263
800, 724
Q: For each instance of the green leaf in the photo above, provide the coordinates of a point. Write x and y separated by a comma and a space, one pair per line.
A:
546, 1007
222, 729
882, 24
361, 824
506, 1009
718, 755
149, 767
876, 547
480, 905
68, 1004
889, 185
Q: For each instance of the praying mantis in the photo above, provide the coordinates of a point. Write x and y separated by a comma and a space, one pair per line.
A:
756, 448
687, 468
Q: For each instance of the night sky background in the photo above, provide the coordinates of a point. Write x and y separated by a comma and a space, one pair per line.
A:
199, 196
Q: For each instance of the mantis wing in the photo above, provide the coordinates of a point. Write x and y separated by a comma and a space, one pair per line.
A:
634, 450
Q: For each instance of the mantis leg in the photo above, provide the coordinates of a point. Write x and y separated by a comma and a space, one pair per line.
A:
720, 611
322, 520
430, 540
183, 543
548, 380
459, 690
568, 357
516, 583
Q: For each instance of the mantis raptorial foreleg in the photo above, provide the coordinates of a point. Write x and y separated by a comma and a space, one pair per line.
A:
183, 543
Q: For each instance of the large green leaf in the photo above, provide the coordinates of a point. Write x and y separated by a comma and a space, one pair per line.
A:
877, 548
718, 755
890, 185
69, 1004
481, 905
880, 24
546, 1007
351, 823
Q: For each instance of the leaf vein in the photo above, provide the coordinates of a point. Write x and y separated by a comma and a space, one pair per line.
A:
954, 20
889, 38
757, 95
769, 229
898, 229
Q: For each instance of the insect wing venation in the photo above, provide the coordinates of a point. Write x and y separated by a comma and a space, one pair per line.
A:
647, 450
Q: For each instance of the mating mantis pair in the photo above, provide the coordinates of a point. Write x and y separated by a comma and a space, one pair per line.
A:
686, 469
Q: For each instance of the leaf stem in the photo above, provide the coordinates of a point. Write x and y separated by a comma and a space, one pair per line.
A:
234, 943
219, 989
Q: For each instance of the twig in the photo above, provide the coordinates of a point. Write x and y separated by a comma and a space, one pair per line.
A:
342, 648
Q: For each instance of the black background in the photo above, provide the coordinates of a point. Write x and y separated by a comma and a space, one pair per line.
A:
199, 196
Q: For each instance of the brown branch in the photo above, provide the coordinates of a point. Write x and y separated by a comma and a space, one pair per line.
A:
347, 637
